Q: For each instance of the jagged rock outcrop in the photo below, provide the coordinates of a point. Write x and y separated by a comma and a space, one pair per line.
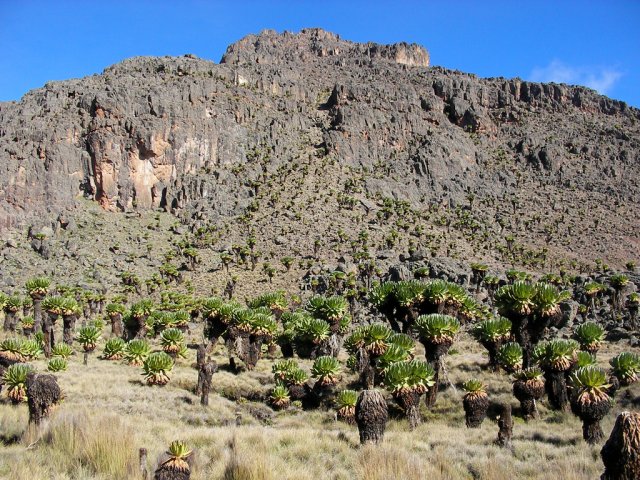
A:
199, 138
272, 48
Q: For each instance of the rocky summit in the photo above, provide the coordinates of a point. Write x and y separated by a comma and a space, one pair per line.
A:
309, 141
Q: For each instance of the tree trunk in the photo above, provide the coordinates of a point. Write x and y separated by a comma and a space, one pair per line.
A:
475, 410
592, 431
200, 361
591, 414
556, 387
136, 328
434, 353
621, 452
493, 347
254, 351
365, 366
142, 457
201, 355
42, 393
141, 327
527, 333
527, 392
68, 326
116, 325
371, 416
37, 313
9, 321
528, 409
166, 471
323, 395
505, 426
410, 403
48, 330
214, 329
233, 344
205, 375
286, 349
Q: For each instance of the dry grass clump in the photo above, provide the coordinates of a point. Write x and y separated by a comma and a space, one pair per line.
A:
382, 462
109, 413
74, 445
243, 463
102, 444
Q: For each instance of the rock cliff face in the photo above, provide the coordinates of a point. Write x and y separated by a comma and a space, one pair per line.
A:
273, 49
199, 139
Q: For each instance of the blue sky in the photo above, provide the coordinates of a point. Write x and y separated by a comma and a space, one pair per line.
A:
578, 42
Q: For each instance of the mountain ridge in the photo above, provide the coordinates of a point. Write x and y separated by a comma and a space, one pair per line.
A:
202, 140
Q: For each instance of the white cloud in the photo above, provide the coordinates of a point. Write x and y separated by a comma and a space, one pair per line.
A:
601, 78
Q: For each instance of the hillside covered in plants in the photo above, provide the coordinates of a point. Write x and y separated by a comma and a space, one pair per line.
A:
317, 259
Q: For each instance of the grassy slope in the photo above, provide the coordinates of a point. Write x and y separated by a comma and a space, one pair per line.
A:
109, 413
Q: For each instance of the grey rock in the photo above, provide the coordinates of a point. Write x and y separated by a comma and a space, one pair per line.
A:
419, 255
569, 311
188, 135
399, 273
385, 254
316, 270
176, 229
272, 48
448, 269
617, 333
369, 206
46, 231
347, 267
36, 244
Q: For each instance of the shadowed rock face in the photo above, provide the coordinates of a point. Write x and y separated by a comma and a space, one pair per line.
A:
194, 137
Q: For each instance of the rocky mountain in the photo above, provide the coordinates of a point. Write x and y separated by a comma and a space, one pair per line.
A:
312, 143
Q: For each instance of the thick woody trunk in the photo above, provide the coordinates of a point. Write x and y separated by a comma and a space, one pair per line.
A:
475, 410
621, 452
42, 393
48, 330
167, 472
371, 416
116, 325
205, 375
434, 353
9, 321
527, 392
493, 347
591, 414
200, 361
505, 426
556, 388
410, 403
37, 313
68, 325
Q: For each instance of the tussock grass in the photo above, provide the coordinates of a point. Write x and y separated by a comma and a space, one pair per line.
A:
102, 444
74, 445
109, 413
247, 464
382, 462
